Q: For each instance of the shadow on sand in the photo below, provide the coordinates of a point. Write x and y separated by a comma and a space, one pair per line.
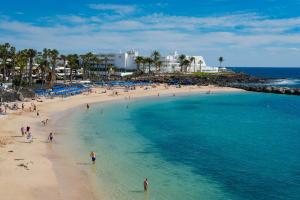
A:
83, 163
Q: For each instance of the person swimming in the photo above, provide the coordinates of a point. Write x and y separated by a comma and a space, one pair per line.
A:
93, 156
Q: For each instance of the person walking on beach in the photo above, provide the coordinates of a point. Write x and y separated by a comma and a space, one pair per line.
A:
93, 156
38, 113
23, 130
50, 137
29, 137
146, 185
27, 129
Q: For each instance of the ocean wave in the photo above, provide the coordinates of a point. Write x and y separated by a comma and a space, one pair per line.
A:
285, 82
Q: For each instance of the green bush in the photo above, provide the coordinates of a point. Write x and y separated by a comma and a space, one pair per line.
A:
18, 82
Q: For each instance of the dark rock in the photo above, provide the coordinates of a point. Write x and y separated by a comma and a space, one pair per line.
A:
20, 96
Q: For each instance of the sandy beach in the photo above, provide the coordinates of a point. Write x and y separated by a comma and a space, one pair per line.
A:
36, 170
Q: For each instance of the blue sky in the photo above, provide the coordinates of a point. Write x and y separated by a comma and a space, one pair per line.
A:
244, 32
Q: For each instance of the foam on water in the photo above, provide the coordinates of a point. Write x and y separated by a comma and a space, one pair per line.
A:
286, 82
224, 146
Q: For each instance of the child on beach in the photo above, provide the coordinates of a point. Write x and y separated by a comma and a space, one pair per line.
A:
93, 156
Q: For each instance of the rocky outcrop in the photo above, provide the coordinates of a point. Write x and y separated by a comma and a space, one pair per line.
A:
236, 80
269, 89
206, 79
12, 95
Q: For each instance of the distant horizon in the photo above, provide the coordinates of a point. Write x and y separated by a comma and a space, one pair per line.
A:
256, 33
262, 67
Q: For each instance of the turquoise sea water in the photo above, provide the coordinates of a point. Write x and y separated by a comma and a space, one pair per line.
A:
219, 146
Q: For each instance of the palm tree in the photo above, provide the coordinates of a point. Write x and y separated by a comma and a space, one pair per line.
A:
193, 60
105, 65
155, 56
87, 61
200, 63
31, 55
98, 63
44, 63
159, 65
53, 55
73, 63
181, 58
221, 59
64, 58
139, 61
144, 62
21, 60
149, 61
7, 53
186, 63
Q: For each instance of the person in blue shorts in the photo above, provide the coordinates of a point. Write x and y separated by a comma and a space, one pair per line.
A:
93, 156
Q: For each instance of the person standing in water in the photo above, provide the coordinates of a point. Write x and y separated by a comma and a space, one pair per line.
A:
146, 185
87, 106
93, 156
50, 138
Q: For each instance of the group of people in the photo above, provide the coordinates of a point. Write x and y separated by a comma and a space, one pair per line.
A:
5, 106
45, 122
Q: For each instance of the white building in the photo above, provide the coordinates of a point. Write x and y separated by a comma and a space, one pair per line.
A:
171, 63
124, 62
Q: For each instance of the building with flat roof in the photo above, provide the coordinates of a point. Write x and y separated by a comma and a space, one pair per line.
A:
125, 62
122, 62
171, 63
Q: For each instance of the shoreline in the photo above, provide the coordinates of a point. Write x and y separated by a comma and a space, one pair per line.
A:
49, 177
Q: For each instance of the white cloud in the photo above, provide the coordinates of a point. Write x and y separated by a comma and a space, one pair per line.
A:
76, 19
73, 18
117, 8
